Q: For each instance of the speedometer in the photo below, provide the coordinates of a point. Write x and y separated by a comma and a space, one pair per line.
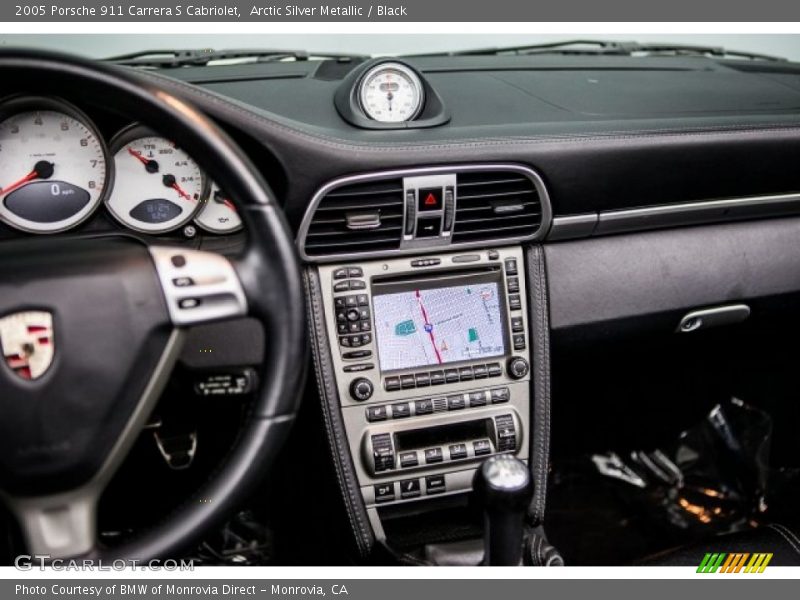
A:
158, 187
53, 165
391, 93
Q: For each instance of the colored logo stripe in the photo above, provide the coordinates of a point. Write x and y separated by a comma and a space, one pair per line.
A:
734, 562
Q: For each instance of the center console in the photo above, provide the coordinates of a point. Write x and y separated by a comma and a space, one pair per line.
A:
431, 360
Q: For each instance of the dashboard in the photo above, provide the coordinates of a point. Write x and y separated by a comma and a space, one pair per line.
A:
451, 215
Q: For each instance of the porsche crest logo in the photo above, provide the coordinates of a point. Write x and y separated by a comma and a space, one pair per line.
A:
26, 339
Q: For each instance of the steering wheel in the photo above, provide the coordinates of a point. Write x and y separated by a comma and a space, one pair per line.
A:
119, 312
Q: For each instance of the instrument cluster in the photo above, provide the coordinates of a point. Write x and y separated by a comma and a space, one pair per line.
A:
57, 170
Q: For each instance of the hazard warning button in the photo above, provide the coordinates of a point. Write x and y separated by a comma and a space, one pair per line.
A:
429, 199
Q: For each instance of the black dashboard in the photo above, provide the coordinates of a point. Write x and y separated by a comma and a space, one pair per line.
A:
552, 195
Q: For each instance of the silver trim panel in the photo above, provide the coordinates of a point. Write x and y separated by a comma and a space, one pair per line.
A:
673, 215
418, 247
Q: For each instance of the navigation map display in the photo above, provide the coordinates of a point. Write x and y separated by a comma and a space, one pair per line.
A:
426, 327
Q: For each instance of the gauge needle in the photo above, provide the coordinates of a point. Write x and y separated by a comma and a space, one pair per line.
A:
169, 181
150, 165
218, 197
41, 170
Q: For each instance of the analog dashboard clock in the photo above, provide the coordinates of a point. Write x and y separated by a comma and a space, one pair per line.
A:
391, 92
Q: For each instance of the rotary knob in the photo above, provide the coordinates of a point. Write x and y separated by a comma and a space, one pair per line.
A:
517, 367
361, 389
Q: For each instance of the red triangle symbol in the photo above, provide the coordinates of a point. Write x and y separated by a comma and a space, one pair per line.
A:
430, 200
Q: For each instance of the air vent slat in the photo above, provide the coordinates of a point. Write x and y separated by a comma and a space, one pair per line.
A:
495, 205
328, 232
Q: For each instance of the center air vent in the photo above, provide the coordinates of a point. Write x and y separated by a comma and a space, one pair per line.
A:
494, 205
359, 217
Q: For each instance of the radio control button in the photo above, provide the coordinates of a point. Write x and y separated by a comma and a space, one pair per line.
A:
500, 395
456, 402
339, 302
434, 484
493, 254
451, 375
408, 459
342, 327
482, 447
515, 302
376, 413
437, 377
466, 374
341, 286
517, 367
358, 368
366, 338
355, 272
477, 399
351, 301
384, 492
519, 341
480, 371
362, 300
340, 273
366, 326
361, 389
357, 354
407, 382
433, 455
423, 379
517, 325
352, 315
354, 327
458, 451
409, 488
401, 411
511, 266
344, 341
423, 407
494, 369
357, 284
391, 384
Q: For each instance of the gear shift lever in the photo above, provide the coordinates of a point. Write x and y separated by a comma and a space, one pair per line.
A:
504, 486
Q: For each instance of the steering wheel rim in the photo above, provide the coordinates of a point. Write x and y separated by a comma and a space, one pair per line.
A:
268, 274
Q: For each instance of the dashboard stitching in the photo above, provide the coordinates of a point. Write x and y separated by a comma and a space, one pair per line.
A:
737, 129
785, 537
339, 448
542, 394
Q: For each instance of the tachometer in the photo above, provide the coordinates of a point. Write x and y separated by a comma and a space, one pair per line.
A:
158, 187
218, 215
391, 93
53, 165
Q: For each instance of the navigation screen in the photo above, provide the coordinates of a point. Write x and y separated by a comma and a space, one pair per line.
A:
436, 326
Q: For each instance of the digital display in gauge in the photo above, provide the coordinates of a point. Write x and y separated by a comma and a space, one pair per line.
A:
158, 187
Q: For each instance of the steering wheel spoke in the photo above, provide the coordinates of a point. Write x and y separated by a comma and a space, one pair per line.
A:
198, 286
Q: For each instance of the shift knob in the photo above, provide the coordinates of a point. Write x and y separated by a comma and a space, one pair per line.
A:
504, 486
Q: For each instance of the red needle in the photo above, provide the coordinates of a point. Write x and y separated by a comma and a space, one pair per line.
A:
138, 155
229, 204
180, 191
29, 177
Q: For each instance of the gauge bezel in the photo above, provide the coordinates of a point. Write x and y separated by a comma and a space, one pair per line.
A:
136, 131
391, 66
208, 228
16, 105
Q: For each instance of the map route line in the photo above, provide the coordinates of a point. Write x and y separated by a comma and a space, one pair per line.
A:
428, 327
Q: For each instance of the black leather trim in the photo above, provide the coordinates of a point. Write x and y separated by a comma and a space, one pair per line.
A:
782, 542
540, 406
332, 416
